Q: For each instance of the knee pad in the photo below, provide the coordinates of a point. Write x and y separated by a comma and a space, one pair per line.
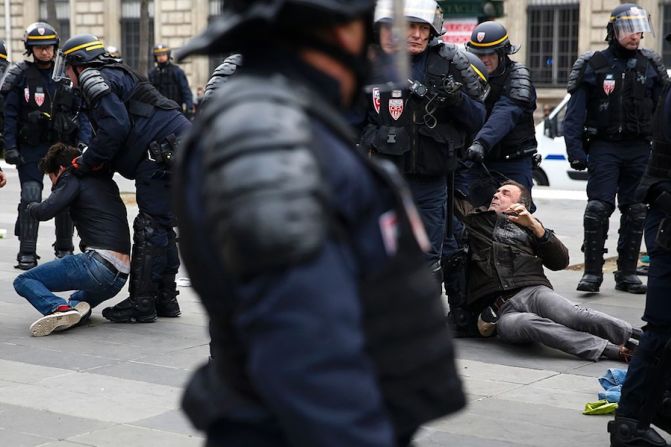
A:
598, 209
634, 213
31, 192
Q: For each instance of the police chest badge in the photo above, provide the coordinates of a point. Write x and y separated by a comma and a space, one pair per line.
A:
608, 84
26, 94
396, 108
39, 96
376, 99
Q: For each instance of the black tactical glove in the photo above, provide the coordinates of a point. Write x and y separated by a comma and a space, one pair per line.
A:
13, 157
579, 164
476, 152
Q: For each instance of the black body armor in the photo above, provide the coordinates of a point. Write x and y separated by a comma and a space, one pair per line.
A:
164, 78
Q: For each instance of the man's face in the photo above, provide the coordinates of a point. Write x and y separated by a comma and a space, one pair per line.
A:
43, 53
387, 39
504, 197
629, 41
490, 60
162, 58
418, 37
70, 71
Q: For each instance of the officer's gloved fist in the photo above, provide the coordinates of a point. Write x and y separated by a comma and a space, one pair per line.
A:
579, 164
13, 157
476, 152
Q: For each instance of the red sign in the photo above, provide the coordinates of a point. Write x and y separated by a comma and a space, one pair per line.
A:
458, 31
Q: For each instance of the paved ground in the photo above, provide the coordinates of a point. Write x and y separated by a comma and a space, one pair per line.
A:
119, 385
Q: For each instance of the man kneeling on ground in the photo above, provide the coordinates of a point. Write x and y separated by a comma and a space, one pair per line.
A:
508, 249
97, 274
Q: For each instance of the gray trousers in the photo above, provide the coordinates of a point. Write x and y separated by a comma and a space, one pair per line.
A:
539, 314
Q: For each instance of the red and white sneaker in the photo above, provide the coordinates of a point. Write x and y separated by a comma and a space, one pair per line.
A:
62, 318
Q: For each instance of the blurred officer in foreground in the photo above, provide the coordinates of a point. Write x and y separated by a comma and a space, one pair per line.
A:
170, 80
507, 140
423, 128
306, 255
646, 394
607, 130
137, 132
33, 102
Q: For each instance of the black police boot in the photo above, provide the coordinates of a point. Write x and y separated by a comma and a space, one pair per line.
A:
629, 246
28, 227
140, 305
166, 300
64, 231
625, 432
662, 417
596, 231
462, 321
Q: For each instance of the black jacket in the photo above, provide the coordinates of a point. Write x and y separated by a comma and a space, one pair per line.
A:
505, 257
95, 207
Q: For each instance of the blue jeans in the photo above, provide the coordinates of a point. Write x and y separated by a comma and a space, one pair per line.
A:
93, 282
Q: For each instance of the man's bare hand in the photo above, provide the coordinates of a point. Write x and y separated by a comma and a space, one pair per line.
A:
519, 214
3, 179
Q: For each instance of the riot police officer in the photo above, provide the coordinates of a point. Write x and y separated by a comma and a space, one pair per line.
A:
646, 394
422, 129
507, 140
301, 249
607, 131
170, 80
137, 132
33, 105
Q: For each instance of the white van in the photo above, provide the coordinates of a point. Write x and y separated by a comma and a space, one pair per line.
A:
555, 170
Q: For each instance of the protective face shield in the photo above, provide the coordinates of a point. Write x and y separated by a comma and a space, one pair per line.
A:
631, 21
59, 74
392, 68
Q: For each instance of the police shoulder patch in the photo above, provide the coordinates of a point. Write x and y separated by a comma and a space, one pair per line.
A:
578, 70
13, 75
93, 85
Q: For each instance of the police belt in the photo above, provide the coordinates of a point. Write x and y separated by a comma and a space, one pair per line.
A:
98, 257
163, 151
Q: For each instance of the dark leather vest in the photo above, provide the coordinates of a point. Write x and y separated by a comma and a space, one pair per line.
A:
405, 134
404, 320
523, 136
621, 107
164, 78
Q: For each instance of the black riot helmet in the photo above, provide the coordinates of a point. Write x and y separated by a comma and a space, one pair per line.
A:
491, 37
628, 18
4, 61
246, 21
82, 49
40, 33
159, 49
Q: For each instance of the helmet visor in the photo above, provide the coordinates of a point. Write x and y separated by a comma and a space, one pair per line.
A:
59, 74
632, 21
392, 67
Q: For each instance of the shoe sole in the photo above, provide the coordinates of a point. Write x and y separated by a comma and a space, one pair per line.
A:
626, 289
54, 322
587, 289
131, 319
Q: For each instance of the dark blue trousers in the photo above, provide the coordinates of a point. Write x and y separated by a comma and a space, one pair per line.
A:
430, 194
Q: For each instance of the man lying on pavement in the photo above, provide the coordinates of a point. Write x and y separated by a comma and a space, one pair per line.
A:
101, 270
506, 281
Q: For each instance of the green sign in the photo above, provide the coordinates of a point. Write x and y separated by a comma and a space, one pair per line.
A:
471, 8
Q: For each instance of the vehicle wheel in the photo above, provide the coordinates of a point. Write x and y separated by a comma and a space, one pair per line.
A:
539, 177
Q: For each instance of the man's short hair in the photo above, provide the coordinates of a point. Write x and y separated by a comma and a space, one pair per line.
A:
525, 194
58, 155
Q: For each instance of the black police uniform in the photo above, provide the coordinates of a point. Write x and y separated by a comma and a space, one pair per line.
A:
29, 92
646, 392
136, 132
425, 145
170, 80
609, 117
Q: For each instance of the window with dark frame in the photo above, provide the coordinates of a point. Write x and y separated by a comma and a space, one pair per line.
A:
214, 10
130, 32
552, 42
62, 15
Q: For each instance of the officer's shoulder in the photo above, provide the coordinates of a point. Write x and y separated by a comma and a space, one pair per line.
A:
13, 75
246, 108
445, 49
578, 71
519, 85
93, 85
656, 61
